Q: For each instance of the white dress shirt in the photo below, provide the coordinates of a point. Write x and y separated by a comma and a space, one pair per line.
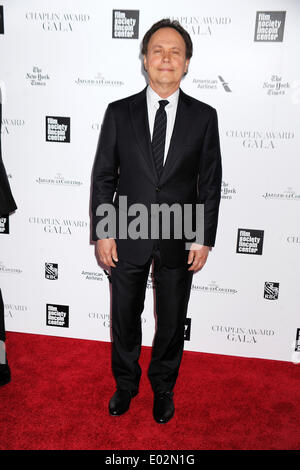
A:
152, 104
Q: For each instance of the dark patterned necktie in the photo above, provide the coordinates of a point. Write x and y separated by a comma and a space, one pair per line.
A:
159, 136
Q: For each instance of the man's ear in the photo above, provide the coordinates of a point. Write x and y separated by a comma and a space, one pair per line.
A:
145, 63
187, 62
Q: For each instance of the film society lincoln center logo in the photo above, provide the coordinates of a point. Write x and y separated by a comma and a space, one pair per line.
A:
125, 24
269, 26
57, 129
57, 315
250, 241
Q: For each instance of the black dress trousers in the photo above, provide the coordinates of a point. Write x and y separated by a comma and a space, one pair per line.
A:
172, 292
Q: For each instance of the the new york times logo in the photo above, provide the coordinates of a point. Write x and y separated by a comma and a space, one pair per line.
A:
1, 20
125, 24
269, 26
57, 129
271, 290
250, 241
275, 86
57, 315
51, 271
36, 77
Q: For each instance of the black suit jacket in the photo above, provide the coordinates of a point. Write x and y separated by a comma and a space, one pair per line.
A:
7, 203
192, 172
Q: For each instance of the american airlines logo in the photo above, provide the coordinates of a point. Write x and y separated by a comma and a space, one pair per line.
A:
214, 83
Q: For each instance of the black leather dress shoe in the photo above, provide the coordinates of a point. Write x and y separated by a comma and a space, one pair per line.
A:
163, 407
5, 375
120, 402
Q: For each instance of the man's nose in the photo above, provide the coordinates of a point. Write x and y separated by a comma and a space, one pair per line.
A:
166, 56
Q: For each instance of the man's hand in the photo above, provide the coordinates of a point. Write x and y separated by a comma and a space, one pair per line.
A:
198, 255
107, 251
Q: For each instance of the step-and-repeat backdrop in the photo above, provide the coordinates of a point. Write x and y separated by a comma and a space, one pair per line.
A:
61, 63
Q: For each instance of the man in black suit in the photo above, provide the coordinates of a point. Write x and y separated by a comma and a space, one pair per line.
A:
159, 146
7, 205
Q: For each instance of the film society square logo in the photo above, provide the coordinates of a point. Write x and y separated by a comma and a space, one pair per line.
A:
271, 290
51, 271
57, 129
269, 26
125, 24
4, 224
1, 20
57, 315
36, 77
250, 241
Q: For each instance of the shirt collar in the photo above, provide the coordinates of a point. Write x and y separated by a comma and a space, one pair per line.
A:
154, 98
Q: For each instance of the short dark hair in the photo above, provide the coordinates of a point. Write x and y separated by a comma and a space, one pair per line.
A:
167, 23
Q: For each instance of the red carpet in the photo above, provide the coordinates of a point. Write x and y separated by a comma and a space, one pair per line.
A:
61, 387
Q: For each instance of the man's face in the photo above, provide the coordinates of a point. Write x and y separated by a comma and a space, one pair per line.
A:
165, 60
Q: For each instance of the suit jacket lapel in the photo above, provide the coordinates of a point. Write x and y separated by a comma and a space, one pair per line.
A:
139, 117
179, 131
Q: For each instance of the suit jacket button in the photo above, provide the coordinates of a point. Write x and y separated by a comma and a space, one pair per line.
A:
157, 188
